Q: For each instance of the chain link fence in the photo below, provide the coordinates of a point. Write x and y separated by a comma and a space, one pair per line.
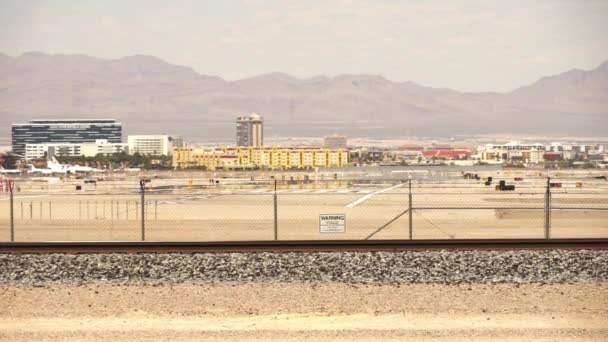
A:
284, 210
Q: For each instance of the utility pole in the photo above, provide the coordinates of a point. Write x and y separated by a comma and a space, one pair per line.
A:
276, 214
11, 187
142, 186
411, 223
548, 210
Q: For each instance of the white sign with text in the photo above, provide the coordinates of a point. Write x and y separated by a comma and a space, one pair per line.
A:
332, 223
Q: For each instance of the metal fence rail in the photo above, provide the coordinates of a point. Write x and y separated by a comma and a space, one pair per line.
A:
285, 210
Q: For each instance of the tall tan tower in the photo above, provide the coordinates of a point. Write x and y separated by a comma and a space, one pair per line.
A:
250, 130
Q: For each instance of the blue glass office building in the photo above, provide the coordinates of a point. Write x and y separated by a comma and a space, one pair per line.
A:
64, 131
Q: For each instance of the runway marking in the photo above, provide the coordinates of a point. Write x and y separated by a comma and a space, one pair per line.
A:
368, 196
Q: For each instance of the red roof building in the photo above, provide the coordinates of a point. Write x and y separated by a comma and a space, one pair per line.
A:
552, 156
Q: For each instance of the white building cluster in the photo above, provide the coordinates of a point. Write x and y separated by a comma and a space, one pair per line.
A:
155, 145
103, 146
143, 144
511, 152
535, 153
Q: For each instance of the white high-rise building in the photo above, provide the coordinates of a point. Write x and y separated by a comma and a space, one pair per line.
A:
250, 130
155, 145
64, 132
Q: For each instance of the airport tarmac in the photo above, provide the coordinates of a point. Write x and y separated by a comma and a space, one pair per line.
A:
181, 209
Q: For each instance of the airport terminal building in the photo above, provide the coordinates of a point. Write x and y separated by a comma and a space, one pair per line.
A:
64, 131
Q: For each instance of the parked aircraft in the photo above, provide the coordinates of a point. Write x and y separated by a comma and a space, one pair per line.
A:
66, 168
45, 171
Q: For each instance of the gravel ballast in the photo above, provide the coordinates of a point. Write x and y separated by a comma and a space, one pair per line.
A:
444, 267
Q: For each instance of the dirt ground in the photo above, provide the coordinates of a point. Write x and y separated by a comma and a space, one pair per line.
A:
297, 312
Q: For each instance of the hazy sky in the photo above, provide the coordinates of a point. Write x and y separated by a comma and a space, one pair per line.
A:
465, 45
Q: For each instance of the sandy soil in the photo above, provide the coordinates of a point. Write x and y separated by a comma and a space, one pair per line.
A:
303, 312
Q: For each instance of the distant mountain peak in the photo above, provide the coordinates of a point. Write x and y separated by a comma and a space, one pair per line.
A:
148, 95
138, 58
36, 54
276, 75
603, 66
572, 83
366, 77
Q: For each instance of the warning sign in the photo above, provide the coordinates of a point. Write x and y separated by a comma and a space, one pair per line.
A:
332, 223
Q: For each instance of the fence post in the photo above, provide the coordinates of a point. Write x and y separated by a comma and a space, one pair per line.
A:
142, 186
276, 216
548, 210
411, 223
11, 187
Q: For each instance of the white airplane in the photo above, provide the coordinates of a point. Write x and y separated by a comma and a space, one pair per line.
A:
4, 171
46, 171
53, 164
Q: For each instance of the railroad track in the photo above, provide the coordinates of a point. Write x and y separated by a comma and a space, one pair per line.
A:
296, 246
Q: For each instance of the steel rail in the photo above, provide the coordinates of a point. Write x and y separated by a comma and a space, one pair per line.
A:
295, 246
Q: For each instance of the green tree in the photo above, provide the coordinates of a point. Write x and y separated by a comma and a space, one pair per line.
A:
9, 160
136, 160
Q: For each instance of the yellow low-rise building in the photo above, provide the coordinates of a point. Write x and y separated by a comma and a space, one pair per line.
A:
259, 157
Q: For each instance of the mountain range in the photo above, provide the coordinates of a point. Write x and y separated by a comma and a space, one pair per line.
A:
151, 96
